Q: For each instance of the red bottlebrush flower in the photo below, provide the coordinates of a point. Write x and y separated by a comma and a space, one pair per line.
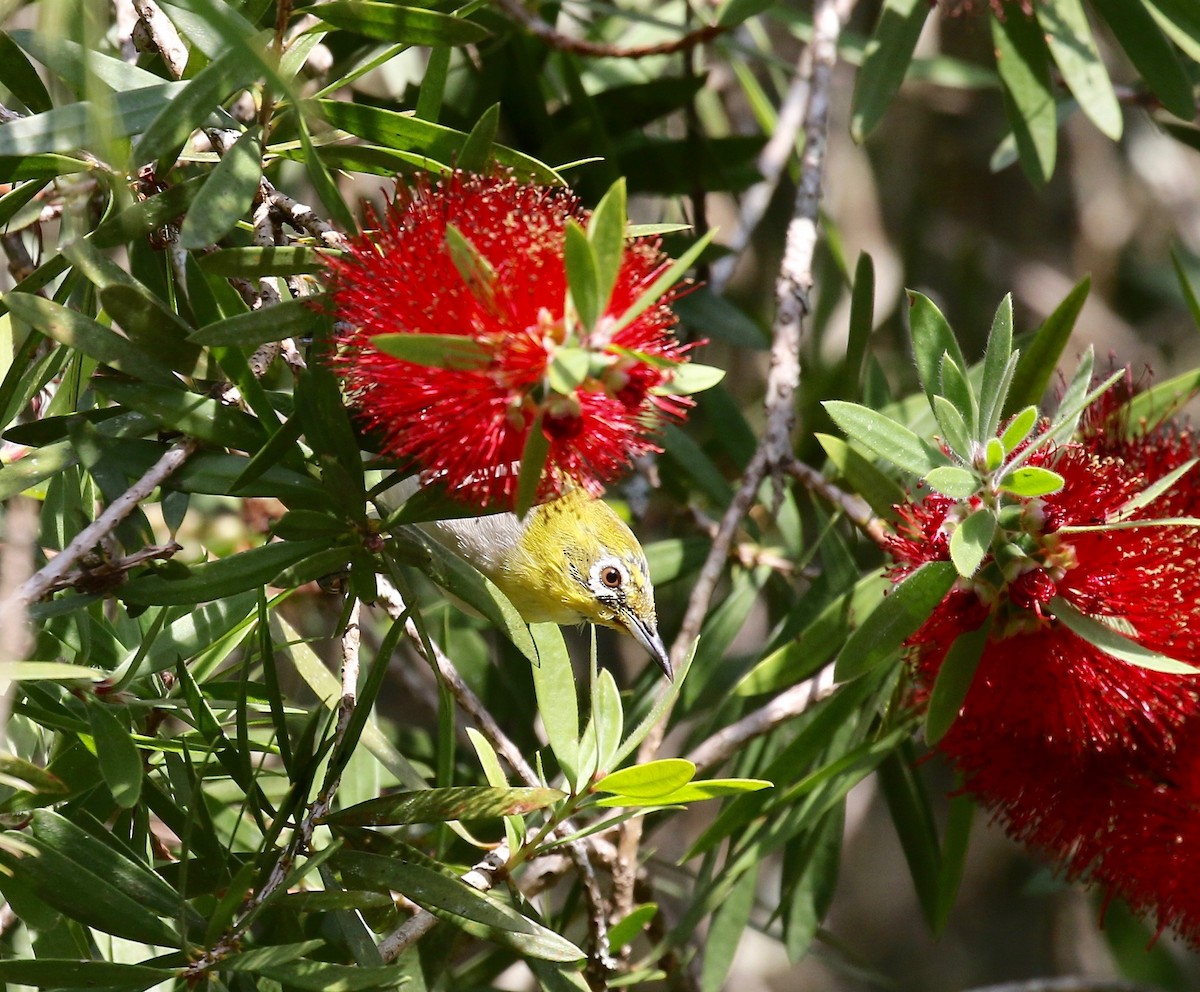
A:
467, 426
1091, 761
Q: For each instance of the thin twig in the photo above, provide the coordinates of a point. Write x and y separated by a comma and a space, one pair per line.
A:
854, 508
506, 749
774, 450
47, 577
301, 840
788, 705
163, 36
555, 39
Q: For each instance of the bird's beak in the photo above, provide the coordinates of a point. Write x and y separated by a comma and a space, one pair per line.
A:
646, 634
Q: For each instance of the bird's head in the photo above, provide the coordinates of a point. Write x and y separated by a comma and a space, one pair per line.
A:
583, 565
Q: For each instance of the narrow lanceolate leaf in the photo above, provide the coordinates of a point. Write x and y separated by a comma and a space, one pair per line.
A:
648, 781
889, 440
932, 338
1152, 492
1024, 66
120, 763
44, 973
554, 685
606, 234
995, 365
1153, 56
226, 195
582, 274
885, 62
476, 271
534, 456
895, 619
439, 351
953, 426
692, 792
73, 329
1102, 636
954, 680
399, 25
1039, 360
441, 805
957, 388
456, 902
1074, 49
654, 292
18, 773
971, 541
477, 149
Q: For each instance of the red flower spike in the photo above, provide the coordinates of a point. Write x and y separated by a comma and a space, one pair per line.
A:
1091, 761
467, 427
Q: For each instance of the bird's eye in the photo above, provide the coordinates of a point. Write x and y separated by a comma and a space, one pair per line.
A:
611, 577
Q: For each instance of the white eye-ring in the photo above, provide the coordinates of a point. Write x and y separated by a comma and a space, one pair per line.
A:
608, 576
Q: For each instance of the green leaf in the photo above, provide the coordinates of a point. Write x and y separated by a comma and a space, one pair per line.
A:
895, 619
1069, 36
817, 642
655, 291
120, 762
569, 369
191, 107
1101, 635
18, 773
971, 541
1038, 361
400, 25
439, 351
91, 883
606, 232
321, 976
885, 62
626, 930
932, 339
878, 489
608, 718
954, 680
442, 805
958, 394
861, 324
73, 329
456, 902
434, 141
534, 456
227, 194
1153, 491
476, 271
714, 788
202, 417
297, 318
63, 973
1185, 286
996, 369
880, 434
1153, 56
77, 125
20, 78
220, 578
582, 275
691, 377
1024, 66
270, 260
952, 481
155, 328
909, 807
1033, 481
1018, 429
666, 699
477, 149
52, 670
729, 921
558, 704
954, 855
650, 780
1181, 21
954, 428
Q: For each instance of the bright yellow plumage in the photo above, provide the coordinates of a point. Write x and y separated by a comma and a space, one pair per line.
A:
569, 561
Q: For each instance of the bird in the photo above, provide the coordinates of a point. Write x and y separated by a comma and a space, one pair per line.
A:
570, 560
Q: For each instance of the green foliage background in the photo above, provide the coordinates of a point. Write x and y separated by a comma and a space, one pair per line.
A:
173, 723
